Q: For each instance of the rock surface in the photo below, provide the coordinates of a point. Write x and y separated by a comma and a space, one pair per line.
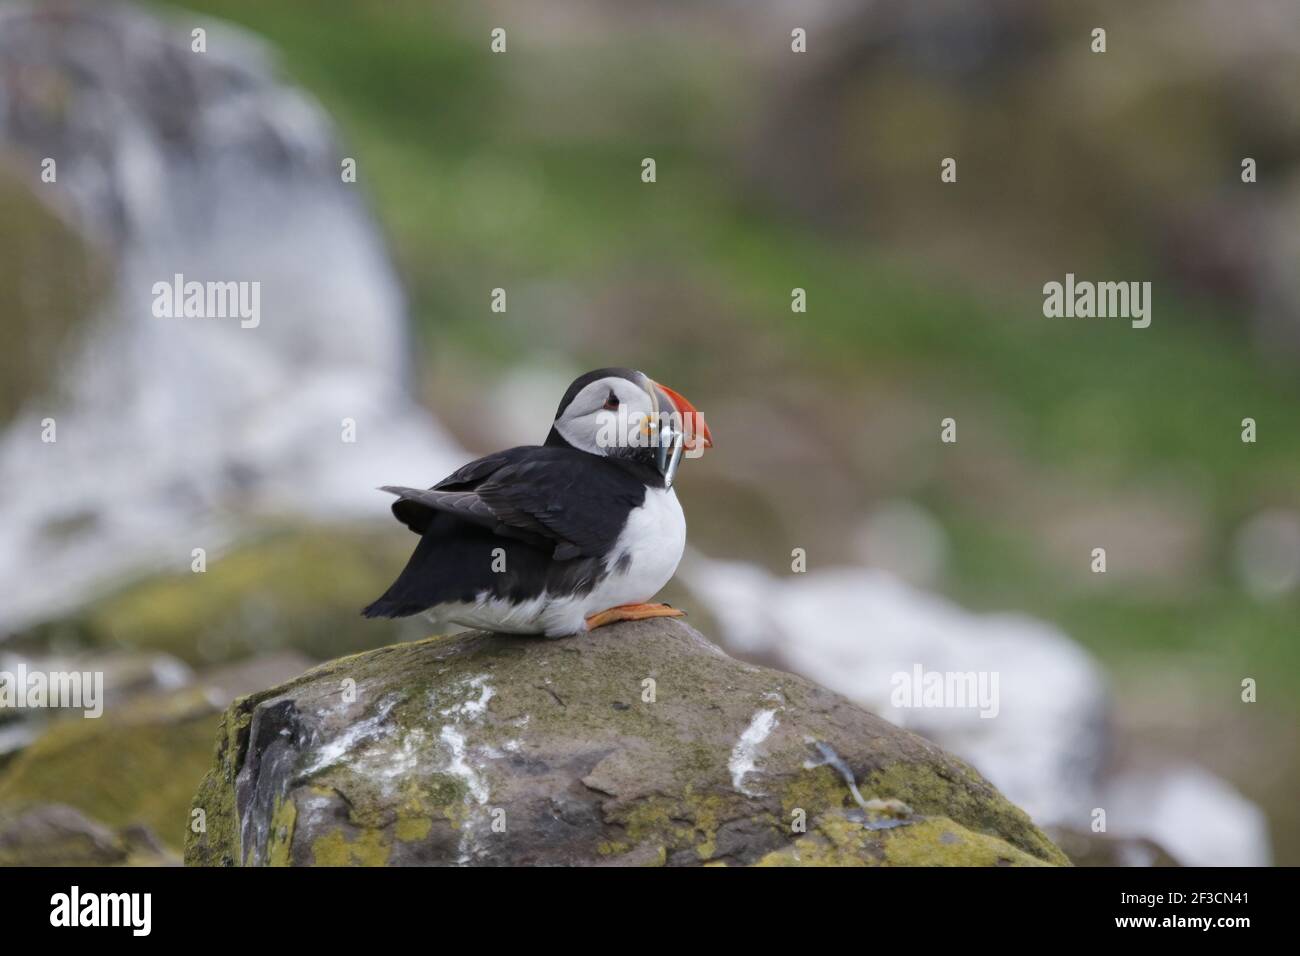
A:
131, 771
638, 744
57, 835
1086, 848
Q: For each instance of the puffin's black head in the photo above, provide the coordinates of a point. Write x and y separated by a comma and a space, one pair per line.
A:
623, 413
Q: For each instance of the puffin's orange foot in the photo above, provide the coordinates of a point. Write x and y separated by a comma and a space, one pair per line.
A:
632, 612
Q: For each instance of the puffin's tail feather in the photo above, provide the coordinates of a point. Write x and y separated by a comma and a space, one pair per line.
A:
453, 562
410, 593
386, 606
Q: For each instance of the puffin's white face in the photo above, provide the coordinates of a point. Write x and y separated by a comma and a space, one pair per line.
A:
622, 413
610, 413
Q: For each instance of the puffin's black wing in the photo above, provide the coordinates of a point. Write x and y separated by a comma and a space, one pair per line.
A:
571, 501
554, 512
417, 515
415, 509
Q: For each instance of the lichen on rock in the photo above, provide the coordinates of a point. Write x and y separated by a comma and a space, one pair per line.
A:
640, 743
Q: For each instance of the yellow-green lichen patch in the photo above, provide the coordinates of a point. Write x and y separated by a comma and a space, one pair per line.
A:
415, 814
941, 842
708, 811
690, 820
813, 790
841, 839
956, 791
280, 842
368, 848
411, 829
656, 818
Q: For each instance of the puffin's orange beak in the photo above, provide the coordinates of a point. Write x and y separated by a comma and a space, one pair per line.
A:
694, 429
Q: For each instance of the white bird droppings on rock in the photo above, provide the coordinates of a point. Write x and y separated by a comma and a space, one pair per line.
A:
746, 750
473, 709
371, 727
459, 767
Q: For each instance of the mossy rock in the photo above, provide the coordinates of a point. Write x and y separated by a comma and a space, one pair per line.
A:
845, 838
635, 744
58, 835
133, 770
135, 765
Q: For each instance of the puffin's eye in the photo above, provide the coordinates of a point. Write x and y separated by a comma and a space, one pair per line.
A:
611, 403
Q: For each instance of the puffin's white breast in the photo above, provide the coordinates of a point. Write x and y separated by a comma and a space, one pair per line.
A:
642, 561
648, 550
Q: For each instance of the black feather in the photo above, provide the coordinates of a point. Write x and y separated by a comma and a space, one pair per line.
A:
552, 513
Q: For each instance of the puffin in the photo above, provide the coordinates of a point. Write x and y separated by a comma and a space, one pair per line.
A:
558, 538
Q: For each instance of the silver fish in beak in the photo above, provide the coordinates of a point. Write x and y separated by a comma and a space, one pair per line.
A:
680, 428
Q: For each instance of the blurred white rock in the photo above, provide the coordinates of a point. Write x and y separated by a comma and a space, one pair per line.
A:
179, 433
1198, 817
